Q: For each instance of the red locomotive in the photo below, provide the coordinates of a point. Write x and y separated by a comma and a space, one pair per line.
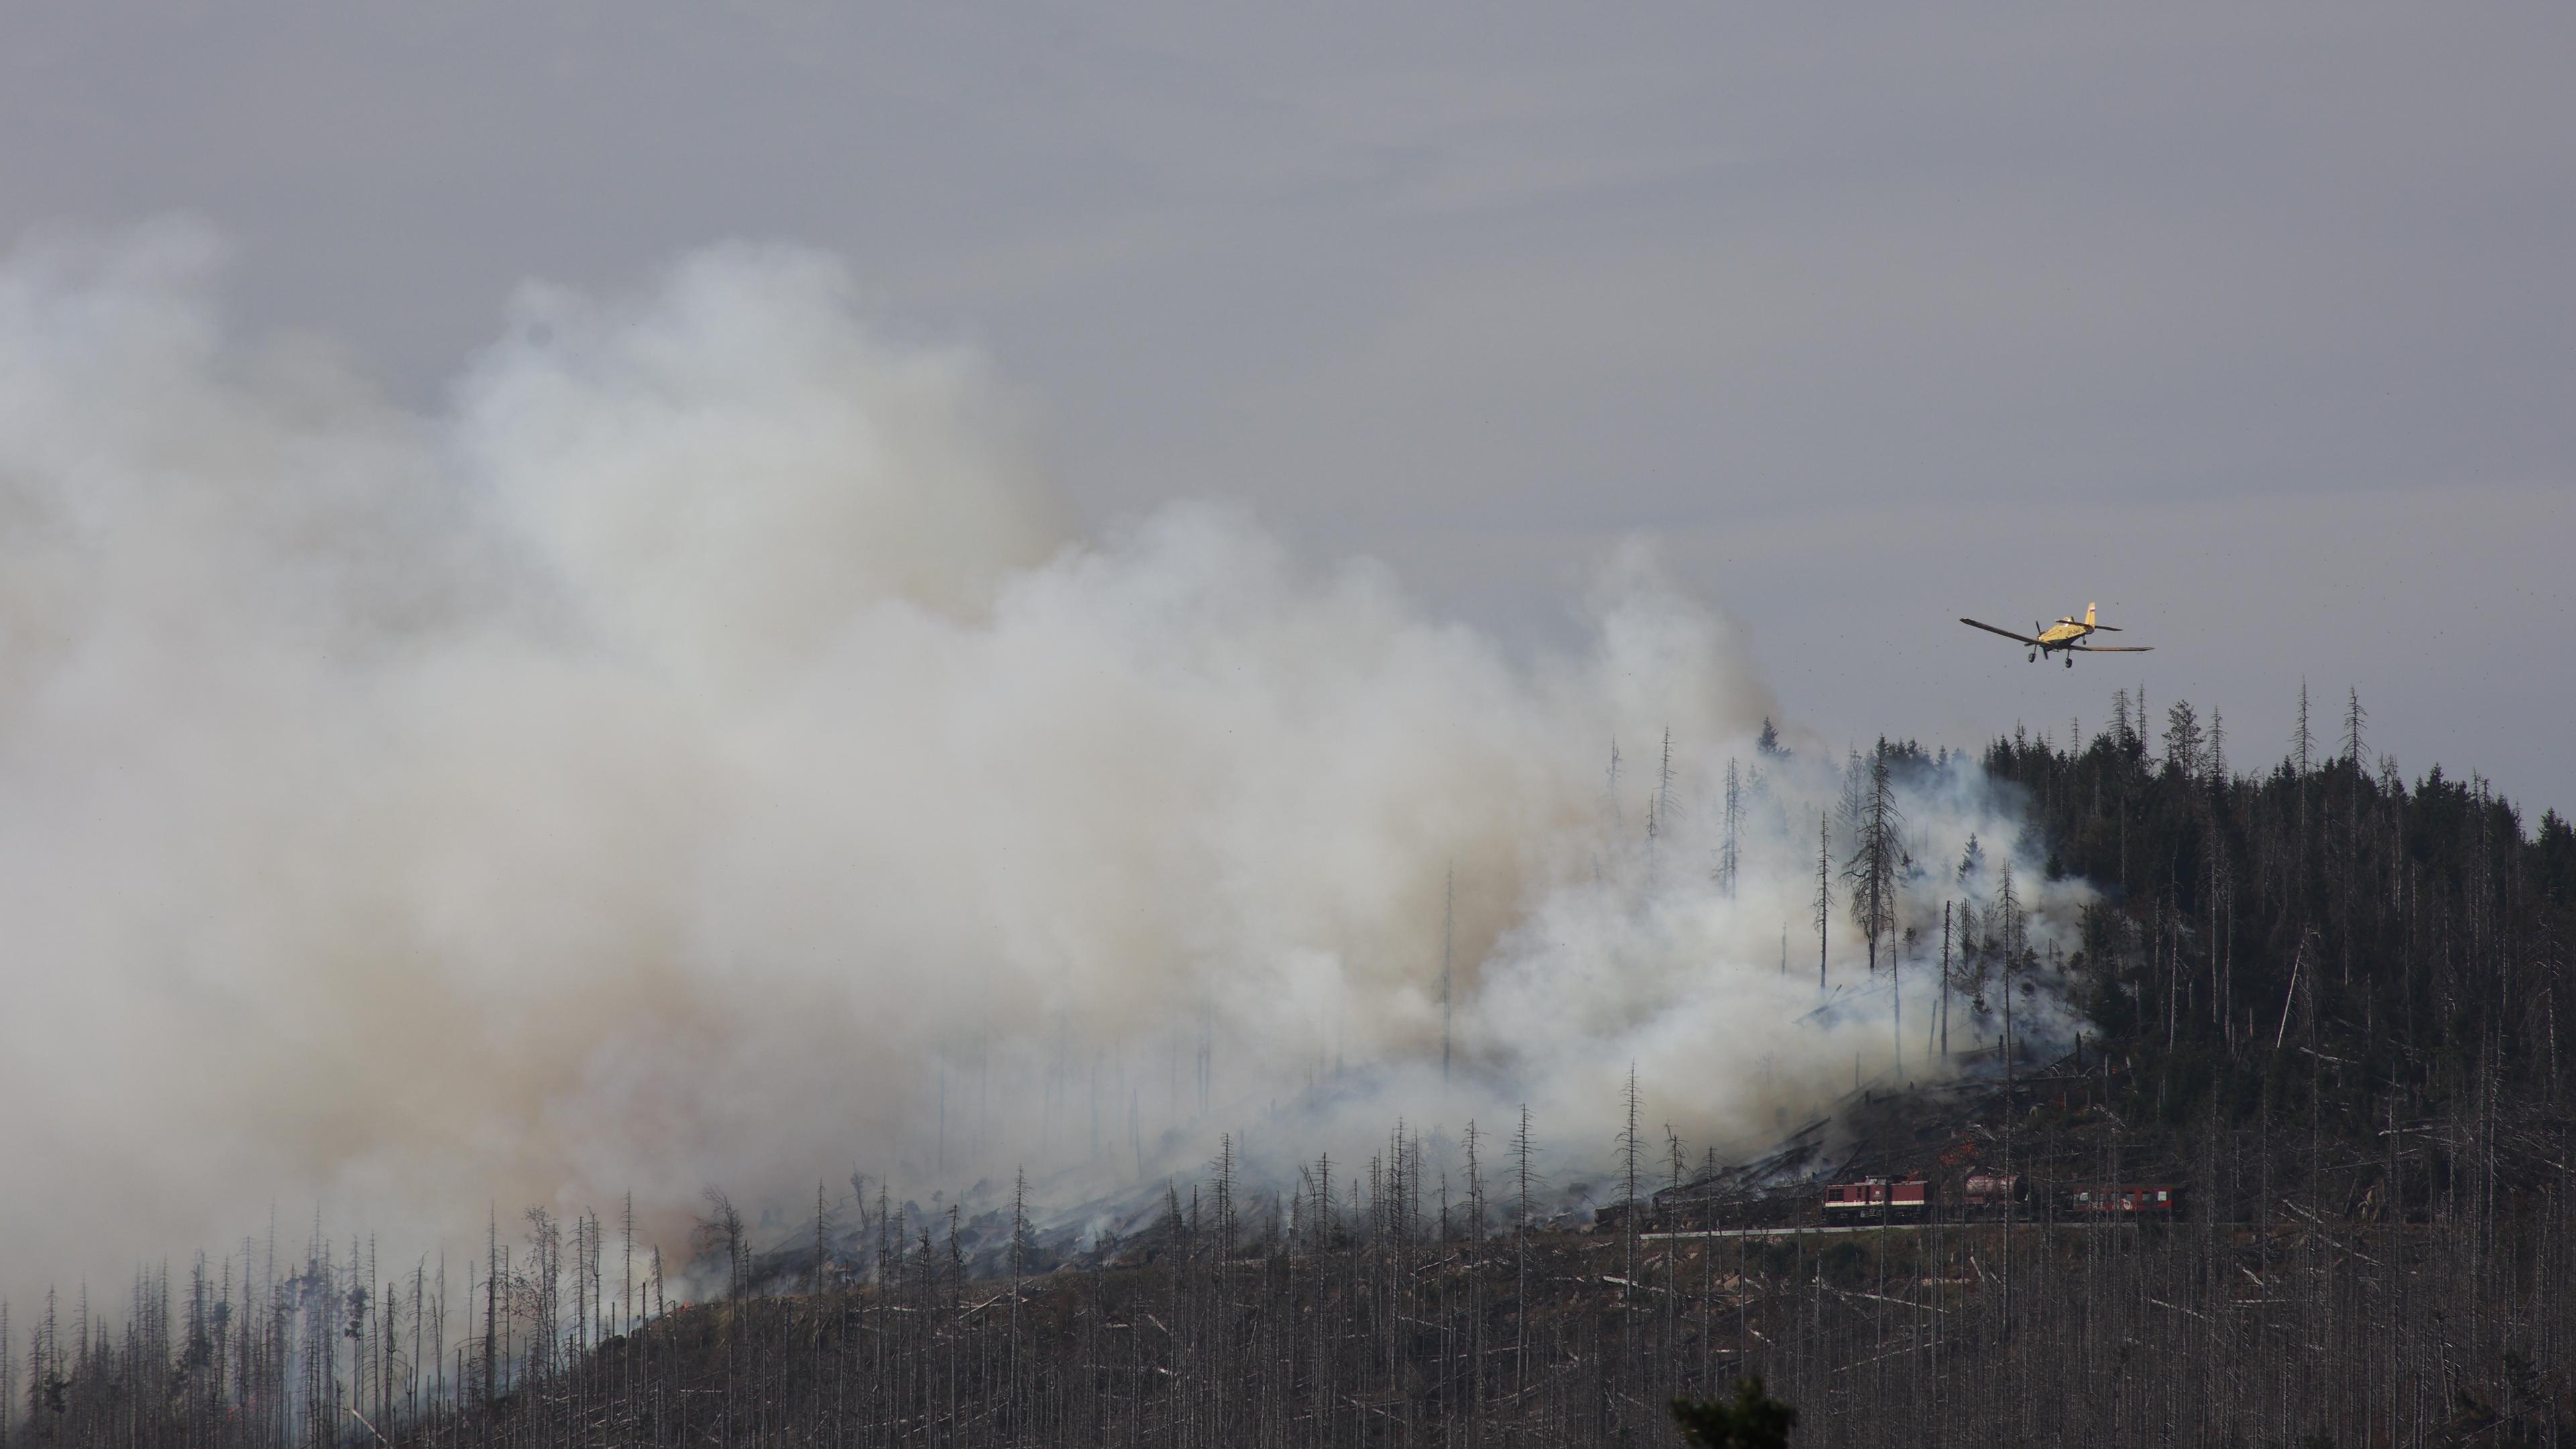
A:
1879, 1200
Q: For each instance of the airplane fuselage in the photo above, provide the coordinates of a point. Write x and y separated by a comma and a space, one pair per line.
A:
2066, 636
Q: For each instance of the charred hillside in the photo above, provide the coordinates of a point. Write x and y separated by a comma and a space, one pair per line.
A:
2323, 1007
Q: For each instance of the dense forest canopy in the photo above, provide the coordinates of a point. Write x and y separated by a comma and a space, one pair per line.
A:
2317, 927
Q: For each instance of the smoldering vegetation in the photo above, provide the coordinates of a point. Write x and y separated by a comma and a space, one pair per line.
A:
702, 752
2321, 1288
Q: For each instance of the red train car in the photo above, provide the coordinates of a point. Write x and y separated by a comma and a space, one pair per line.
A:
2125, 1200
1879, 1200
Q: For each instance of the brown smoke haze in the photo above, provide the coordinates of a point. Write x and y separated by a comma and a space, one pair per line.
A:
703, 753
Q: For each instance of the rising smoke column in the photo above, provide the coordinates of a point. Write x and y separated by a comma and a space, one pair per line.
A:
702, 752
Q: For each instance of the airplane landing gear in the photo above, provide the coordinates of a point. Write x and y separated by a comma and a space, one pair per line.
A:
2070, 661
2034, 656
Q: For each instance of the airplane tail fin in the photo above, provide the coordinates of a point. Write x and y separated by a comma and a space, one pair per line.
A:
2088, 616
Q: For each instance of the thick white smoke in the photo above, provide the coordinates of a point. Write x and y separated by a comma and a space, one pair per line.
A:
702, 754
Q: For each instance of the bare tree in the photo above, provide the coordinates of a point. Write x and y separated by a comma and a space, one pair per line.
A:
1824, 902
2300, 743
1521, 1182
1663, 788
822, 1239
1733, 823
1630, 1145
721, 1231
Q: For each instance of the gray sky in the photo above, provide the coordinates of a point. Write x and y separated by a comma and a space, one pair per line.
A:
2255, 324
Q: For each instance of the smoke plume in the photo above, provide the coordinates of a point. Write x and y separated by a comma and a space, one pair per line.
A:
702, 752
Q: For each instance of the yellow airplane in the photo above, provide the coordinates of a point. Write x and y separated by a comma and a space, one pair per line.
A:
2063, 636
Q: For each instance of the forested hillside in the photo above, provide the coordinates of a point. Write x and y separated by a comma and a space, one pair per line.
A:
2317, 935
2325, 1005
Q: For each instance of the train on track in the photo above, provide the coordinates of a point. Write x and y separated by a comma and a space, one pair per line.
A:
1996, 1196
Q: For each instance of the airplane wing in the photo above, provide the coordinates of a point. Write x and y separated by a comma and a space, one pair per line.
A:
2007, 633
2111, 648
